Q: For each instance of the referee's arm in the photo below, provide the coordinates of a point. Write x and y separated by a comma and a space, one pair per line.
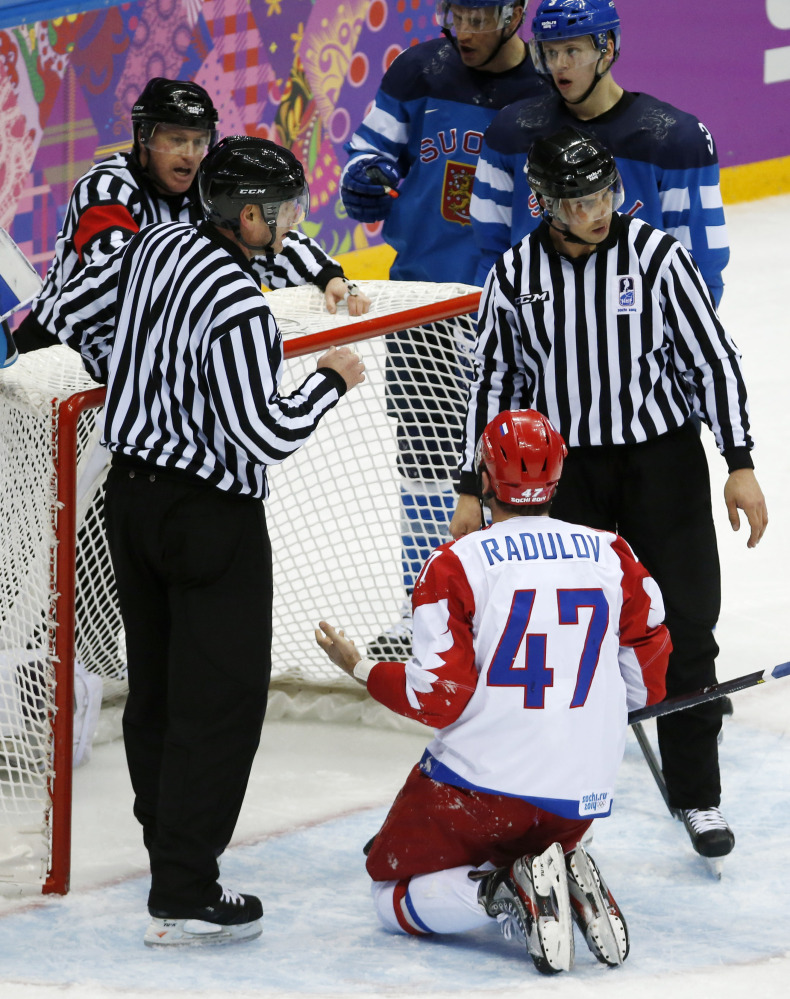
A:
242, 372
703, 346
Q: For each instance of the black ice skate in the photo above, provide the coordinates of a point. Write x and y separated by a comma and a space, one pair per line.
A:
595, 911
394, 644
232, 919
531, 898
710, 835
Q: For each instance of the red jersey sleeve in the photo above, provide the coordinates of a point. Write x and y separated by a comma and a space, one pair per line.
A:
435, 685
644, 639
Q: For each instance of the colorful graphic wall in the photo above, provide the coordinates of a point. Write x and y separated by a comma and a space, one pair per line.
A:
303, 72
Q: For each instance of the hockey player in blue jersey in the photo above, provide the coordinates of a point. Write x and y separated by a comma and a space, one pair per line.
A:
667, 158
411, 163
422, 137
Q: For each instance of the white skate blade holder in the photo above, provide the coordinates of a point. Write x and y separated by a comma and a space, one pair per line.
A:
556, 935
197, 933
598, 921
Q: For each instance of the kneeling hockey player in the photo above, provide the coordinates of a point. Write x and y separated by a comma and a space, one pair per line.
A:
533, 638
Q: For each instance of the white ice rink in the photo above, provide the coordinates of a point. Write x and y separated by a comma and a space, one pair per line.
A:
319, 791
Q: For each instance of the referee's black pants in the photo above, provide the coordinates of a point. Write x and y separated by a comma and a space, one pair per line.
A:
657, 496
193, 570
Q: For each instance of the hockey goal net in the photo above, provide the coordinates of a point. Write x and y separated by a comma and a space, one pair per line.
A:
334, 516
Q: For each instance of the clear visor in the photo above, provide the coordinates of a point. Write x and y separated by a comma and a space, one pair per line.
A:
591, 208
177, 140
569, 54
287, 214
472, 20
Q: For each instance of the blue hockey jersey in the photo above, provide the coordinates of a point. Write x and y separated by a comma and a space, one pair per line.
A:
667, 160
429, 117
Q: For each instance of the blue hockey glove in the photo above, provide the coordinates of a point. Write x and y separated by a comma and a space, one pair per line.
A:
369, 188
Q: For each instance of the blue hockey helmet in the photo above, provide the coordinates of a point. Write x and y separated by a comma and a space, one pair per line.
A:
559, 20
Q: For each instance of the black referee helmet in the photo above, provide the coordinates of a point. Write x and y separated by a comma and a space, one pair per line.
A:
569, 172
569, 164
174, 102
245, 170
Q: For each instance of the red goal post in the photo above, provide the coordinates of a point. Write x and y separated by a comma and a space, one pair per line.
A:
332, 516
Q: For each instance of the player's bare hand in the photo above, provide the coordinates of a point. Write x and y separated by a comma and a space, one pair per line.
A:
357, 301
341, 650
466, 518
742, 492
346, 362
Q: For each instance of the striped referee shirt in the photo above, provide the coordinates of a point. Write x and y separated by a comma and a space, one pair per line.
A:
616, 347
177, 326
115, 199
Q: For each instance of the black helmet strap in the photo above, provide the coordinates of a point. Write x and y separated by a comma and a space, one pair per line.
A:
599, 75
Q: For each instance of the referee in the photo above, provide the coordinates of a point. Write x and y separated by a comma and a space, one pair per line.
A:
604, 324
177, 326
174, 124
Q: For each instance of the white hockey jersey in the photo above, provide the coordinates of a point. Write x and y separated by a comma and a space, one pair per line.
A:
532, 640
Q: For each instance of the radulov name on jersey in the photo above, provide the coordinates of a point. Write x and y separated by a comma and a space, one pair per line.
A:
543, 545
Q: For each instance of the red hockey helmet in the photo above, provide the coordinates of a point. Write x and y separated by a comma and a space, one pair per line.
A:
523, 455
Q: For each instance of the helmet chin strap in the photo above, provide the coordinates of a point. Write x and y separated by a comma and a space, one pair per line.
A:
566, 234
593, 85
482, 497
255, 247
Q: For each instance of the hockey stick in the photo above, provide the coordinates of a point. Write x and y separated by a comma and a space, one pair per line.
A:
653, 763
713, 693
683, 701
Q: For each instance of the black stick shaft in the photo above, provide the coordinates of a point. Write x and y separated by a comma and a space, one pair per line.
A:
652, 761
684, 701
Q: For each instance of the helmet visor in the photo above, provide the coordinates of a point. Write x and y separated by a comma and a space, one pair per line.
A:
588, 209
463, 20
177, 140
563, 55
289, 213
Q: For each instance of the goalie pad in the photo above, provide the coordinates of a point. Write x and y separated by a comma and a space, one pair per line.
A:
19, 282
87, 706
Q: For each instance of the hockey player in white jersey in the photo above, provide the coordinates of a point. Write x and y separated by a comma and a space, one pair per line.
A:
533, 638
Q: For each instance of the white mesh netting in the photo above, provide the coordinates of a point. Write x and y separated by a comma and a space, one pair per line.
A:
27, 593
335, 516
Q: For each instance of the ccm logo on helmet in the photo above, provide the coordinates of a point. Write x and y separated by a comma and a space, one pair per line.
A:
251, 190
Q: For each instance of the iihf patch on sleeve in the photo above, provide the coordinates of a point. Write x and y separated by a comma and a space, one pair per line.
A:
628, 294
595, 803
